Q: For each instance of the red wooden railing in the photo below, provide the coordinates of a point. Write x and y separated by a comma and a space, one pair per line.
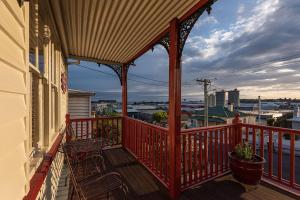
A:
205, 153
149, 144
105, 127
279, 153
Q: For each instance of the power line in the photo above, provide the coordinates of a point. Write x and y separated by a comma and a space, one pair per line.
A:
282, 59
140, 76
113, 75
134, 80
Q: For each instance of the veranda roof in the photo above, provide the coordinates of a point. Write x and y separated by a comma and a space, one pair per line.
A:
114, 30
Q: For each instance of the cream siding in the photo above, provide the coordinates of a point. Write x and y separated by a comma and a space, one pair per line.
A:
14, 98
16, 101
79, 107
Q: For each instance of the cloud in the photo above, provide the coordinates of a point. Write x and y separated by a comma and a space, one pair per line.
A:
246, 52
285, 70
250, 45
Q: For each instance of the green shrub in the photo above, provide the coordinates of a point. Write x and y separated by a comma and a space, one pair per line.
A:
160, 116
244, 151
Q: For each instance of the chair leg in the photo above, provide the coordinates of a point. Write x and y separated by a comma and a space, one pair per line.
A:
66, 179
72, 193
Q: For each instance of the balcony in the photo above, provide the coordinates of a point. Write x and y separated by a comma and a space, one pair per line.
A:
141, 153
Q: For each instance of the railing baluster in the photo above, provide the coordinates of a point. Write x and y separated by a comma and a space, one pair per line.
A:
151, 148
270, 154
205, 154
221, 150
161, 153
156, 150
200, 155
211, 153
262, 142
87, 128
141, 141
226, 147
216, 152
190, 158
76, 129
195, 156
81, 129
247, 134
254, 140
166, 156
292, 159
184, 160
230, 139
279, 156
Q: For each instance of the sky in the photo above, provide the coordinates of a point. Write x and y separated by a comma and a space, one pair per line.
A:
251, 45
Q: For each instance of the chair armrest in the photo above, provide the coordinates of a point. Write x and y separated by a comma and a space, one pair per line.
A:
98, 177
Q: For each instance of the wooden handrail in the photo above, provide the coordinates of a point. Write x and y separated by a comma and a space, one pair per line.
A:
40, 174
94, 118
193, 130
147, 124
272, 128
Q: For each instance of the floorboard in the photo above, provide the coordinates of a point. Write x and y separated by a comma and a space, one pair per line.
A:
144, 186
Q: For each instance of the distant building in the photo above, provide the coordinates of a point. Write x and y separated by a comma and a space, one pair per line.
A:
219, 115
130, 112
211, 100
234, 98
296, 118
220, 98
79, 103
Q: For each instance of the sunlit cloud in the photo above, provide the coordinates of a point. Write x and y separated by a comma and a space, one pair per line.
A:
286, 70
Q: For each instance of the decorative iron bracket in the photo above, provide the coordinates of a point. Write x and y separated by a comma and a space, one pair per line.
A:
185, 28
187, 25
165, 42
117, 69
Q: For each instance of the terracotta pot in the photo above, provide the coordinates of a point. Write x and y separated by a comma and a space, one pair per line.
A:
247, 172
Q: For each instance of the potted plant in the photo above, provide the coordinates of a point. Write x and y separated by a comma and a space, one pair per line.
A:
245, 166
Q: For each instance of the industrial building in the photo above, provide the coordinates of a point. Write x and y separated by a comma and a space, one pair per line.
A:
221, 98
234, 98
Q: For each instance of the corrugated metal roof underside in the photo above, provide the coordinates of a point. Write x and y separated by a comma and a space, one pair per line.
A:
113, 30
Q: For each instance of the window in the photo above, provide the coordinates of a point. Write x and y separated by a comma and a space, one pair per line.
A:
54, 109
34, 110
33, 39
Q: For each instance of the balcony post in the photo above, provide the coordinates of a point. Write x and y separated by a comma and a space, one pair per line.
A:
174, 118
124, 101
237, 129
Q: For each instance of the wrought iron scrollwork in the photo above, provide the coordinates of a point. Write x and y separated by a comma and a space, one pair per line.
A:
185, 28
165, 42
187, 25
118, 69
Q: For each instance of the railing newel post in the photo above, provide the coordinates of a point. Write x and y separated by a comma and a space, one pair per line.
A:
237, 129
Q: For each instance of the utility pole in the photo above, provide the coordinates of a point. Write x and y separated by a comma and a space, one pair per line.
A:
205, 83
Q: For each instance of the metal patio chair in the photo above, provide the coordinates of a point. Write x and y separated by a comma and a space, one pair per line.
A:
92, 185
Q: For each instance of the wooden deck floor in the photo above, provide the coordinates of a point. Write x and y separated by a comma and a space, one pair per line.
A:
144, 186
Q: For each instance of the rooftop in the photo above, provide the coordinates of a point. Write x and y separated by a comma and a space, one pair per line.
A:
73, 92
219, 111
